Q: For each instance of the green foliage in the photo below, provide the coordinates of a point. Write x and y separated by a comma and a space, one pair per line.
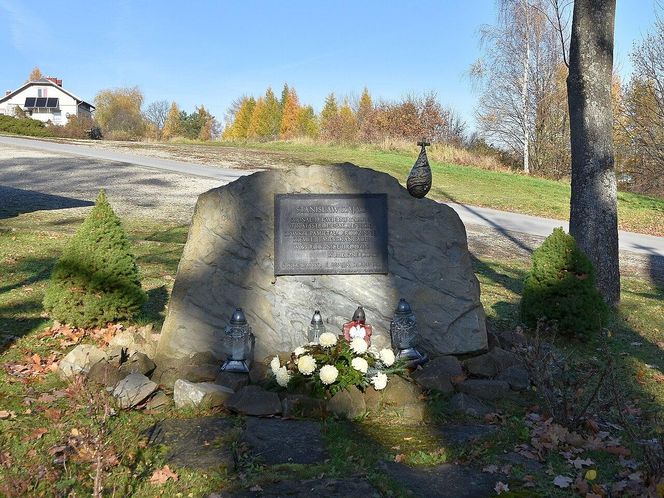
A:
23, 126
96, 280
561, 287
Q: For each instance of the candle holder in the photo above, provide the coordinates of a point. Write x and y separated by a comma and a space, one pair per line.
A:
316, 328
238, 344
403, 332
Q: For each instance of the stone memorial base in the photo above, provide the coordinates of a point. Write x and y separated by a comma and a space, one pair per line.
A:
229, 262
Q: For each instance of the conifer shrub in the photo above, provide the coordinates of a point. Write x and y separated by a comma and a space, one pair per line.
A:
96, 280
560, 287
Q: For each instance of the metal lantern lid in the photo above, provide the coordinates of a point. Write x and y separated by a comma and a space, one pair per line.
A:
403, 308
317, 319
238, 317
359, 315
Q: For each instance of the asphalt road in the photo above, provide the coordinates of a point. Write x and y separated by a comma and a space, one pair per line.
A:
500, 221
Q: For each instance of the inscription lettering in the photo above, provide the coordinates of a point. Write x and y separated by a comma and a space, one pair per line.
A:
330, 233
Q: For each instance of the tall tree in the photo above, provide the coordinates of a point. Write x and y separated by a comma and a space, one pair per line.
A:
273, 114
118, 112
173, 123
593, 206
328, 116
156, 114
307, 124
517, 73
241, 119
259, 126
289, 115
208, 124
35, 74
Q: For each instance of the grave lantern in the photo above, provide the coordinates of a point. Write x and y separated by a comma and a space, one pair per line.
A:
238, 344
403, 332
316, 328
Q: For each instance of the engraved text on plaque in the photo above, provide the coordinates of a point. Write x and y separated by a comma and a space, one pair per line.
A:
316, 234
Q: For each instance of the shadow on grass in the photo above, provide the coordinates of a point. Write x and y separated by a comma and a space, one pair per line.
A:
17, 201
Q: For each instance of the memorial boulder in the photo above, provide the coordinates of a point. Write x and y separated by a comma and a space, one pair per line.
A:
355, 252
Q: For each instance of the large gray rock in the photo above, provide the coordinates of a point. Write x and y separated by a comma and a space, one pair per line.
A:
228, 261
133, 389
80, 359
207, 394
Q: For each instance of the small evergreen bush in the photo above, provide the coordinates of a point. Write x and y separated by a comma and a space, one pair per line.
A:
96, 279
561, 287
23, 126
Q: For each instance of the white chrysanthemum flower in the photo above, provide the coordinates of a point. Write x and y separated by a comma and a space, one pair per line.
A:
306, 365
299, 351
360, 364
328, 374
387, 357
282, 376
327, 339
379, 381
358, 345
275, 365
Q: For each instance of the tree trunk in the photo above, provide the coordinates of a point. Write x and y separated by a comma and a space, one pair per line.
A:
593, 207
524, 92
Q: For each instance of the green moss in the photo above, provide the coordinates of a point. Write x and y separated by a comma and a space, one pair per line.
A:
561, 287
96, 280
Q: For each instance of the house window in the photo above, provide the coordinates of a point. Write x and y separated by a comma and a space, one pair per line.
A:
39, 92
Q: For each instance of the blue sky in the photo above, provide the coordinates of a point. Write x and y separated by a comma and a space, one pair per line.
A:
210, 52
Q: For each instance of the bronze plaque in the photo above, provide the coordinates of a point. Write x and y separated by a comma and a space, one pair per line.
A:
327, 234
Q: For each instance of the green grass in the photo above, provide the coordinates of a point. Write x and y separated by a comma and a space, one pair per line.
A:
29, 246
493, 189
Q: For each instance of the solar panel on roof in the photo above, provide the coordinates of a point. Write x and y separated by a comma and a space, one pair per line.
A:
41, 102
30, 101
52, 103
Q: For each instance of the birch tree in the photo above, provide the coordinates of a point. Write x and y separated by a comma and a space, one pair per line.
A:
518, 71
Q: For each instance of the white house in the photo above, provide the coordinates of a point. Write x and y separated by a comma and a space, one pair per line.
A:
45, 99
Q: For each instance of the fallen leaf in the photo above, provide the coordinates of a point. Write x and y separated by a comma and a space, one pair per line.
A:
591, 475
75, 432
582, 486
579, 463
256, 489
501, 487
399, 457
491, 469
160, 476
562, 481
5, 414
36, 434
618, 450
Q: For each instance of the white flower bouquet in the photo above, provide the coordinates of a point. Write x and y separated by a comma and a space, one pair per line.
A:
334, 364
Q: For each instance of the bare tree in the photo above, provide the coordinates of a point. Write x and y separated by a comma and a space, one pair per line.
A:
518, 71
643, 113
156, 114
593, 206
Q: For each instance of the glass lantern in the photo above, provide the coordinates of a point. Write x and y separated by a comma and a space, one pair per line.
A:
316, 328
403, 332
238, 344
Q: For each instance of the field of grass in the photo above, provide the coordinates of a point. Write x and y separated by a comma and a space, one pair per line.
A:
479, 187
47, 414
